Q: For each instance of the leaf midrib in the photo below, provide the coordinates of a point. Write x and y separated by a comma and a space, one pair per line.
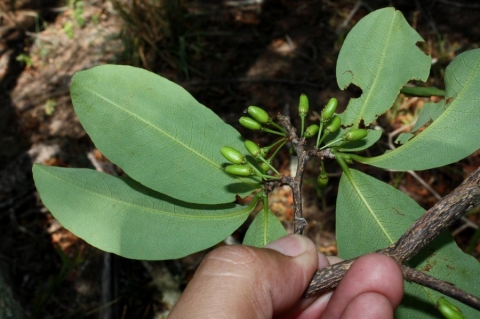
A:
152, 210
370, 210
154, 127
376, 79
243, 180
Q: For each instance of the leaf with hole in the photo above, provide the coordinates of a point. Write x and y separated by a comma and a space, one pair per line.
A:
380, 56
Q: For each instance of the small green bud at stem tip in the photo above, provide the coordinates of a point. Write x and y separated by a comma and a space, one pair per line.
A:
252, 148
448, 310
322, 180
311, 130
264, 167
239, 170
259, 114
303, 105
232, 155
355, 135
250, 123
329, 109
333, 124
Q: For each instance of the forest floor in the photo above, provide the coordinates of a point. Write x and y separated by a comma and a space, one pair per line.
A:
229, 55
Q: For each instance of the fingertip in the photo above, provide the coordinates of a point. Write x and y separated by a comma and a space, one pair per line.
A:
370, 305
385, 276
292, 245
373, 273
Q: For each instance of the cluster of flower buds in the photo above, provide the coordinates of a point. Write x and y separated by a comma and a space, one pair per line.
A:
329, 123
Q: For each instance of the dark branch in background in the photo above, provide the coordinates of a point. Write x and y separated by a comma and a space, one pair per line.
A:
422, 232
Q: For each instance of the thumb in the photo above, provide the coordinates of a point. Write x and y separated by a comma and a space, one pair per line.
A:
248, 282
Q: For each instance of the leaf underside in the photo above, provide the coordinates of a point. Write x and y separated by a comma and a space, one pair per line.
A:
158, 133
380, 56
264, 229
453, 135
372, 215
121, 216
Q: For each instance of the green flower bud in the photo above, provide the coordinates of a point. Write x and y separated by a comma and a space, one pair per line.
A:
239, 170
232, 155
311, 131
322, 180
252, 148
259, 114
264, 168
303, 105
355, 135
329, 109
250, 123
448, 310
333, 124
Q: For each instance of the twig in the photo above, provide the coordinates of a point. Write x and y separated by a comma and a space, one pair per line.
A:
295, 182
418, 277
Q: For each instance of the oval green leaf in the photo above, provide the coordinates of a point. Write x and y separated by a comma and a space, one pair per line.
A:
158, 133
379, 55
454, 134
264, 229
372, 215
121, 216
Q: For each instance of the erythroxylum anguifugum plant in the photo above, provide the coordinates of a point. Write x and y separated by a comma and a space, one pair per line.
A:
184, 166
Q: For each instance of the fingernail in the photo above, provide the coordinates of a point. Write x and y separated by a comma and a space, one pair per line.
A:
291, 245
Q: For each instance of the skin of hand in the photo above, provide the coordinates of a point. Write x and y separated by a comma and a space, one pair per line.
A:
247, 282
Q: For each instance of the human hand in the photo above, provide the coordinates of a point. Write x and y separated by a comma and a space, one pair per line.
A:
246, 282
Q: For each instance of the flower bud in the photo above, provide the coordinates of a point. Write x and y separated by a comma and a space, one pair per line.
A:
303, 105
355, 135
322, 180
264, 168
239, 170
250, 123
329, 110
259, 114
333, 125
252, 148
232, 155
311, 131
448, 310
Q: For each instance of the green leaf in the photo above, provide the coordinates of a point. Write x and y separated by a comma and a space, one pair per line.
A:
372, 215
264, 229
403, 138
379, 55
121, 216
158, 133
441, 259
455, 133
429, 112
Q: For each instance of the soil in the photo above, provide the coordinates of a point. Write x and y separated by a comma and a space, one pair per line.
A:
229, 55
